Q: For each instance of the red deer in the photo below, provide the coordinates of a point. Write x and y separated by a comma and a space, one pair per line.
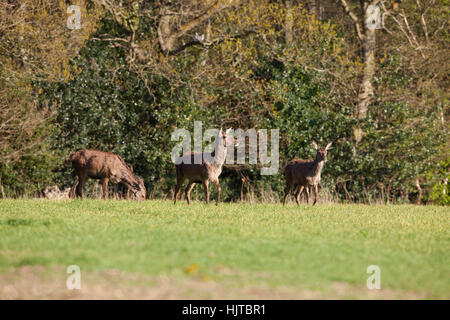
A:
305, 173
205, 172
107, 167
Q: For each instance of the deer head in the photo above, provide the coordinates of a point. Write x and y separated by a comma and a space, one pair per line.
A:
321, 151
139, 190
227, 138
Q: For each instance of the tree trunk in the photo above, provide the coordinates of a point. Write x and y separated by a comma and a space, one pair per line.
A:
2, 191
164, 31
319, 10
312, 7
366, 89
419, 192
288, 25
207, 40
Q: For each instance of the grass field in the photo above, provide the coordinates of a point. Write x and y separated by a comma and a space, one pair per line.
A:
154, 249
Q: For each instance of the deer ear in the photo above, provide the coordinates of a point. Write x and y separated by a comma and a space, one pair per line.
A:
328, 145
228, 131
315, 145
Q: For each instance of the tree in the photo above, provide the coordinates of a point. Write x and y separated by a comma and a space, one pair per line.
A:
367, 37
365, 20
35, 45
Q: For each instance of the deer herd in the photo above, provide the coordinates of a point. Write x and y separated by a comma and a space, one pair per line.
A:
202, 168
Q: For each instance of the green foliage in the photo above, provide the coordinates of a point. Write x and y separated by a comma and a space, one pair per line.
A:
121, 106
438, 179
29, 175
107, 107
399, 146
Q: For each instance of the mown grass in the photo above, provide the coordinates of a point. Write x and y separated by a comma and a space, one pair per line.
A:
262, 244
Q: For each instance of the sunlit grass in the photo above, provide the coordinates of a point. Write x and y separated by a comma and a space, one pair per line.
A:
264, 244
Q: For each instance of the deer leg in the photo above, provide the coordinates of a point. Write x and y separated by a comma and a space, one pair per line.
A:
177, 190
79, 189
105, 188
316, 193
307, 194
287, 191
188, 191
218, 192
124, 192
205, 186
116, 192
297, 195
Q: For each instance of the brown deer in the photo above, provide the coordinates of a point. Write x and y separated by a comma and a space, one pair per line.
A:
305, 174
205, 172
106, 167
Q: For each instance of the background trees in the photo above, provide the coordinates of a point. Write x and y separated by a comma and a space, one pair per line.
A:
34, 46
136, 70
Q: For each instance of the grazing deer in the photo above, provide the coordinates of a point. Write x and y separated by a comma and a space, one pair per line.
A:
121, 191
205, 172
305, 173
107, 167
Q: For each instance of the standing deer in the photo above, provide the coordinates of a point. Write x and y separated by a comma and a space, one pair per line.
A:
305, 173
205, 172
107, 167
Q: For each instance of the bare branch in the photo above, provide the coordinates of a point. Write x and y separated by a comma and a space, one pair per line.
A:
167, 38
352, 15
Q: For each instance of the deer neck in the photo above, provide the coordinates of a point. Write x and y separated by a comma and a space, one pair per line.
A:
317, 167
220, 154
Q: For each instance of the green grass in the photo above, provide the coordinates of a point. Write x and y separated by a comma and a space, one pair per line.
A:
306, 248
